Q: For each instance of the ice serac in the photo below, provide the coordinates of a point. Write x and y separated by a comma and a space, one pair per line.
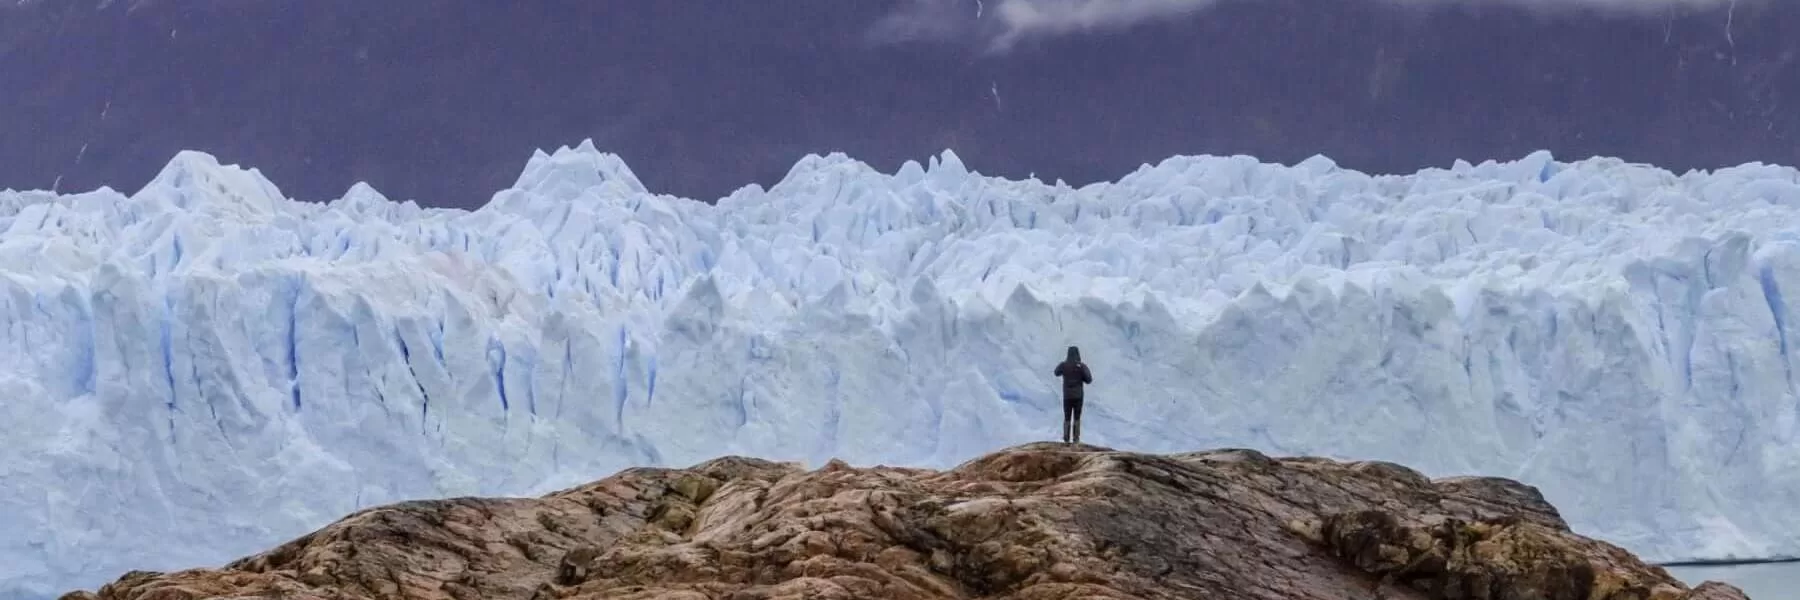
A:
206, 350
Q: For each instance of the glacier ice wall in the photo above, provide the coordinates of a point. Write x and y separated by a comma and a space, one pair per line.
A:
205, 368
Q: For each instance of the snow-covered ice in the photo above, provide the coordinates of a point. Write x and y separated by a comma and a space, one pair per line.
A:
206, 368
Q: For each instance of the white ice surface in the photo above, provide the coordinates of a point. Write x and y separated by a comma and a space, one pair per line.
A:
206, 368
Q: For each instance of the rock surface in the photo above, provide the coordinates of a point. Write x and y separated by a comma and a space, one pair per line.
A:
1035, 521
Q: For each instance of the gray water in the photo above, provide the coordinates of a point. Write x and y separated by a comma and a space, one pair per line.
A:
1768, 581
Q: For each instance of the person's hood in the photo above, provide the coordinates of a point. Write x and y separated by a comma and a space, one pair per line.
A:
1074, 354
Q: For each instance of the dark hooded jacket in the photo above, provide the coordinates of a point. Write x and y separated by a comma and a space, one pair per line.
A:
1074, 374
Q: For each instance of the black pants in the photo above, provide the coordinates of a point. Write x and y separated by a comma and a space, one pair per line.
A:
1072, 419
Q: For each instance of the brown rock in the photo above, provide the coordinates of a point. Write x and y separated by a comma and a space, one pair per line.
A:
1713, 590
573, 569
1040, 521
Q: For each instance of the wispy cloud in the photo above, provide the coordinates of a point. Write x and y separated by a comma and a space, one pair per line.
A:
1022, 18
130, 5
998, 25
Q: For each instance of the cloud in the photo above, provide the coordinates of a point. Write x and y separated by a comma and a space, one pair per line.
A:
98, 5
1024, 18
1624, 8
998, 25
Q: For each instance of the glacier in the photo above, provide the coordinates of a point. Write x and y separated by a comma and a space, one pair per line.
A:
206, 367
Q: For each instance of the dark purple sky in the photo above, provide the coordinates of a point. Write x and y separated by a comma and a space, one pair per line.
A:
442, 102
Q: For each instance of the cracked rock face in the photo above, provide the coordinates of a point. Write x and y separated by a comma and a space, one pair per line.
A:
1040, 521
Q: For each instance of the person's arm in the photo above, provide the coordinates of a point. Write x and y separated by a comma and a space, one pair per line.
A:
1087, 376
1059, 370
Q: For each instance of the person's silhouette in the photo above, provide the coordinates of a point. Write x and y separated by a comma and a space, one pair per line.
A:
1074, 374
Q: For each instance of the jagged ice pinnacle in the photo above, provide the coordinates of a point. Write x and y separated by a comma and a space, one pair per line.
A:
206, 368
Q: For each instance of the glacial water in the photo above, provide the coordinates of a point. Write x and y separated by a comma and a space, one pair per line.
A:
1764, 581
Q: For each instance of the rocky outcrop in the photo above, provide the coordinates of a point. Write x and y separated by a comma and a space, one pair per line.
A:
1045, 521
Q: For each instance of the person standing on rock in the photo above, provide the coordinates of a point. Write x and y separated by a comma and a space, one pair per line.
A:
1074, 374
